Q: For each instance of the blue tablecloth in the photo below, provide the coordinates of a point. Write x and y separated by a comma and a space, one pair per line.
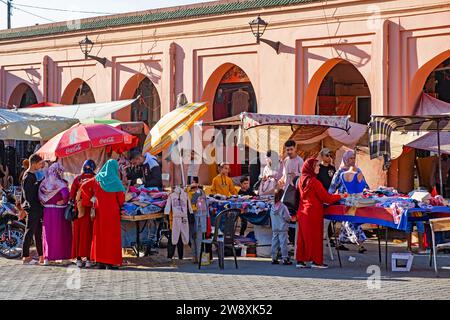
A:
382, 216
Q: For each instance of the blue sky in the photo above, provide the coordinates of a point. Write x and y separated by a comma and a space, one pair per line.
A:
22, 19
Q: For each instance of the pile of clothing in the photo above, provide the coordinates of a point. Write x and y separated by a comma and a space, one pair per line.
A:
141, 201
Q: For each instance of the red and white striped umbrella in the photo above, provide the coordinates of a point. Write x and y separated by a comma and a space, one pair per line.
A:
82, 137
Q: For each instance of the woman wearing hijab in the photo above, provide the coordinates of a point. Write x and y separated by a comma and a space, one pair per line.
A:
107, 191
57, 233
350, 232
82, 226
310, 216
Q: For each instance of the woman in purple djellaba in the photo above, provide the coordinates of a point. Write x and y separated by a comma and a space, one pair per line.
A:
57, 231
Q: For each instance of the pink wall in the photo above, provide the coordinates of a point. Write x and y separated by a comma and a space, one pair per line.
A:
393, 44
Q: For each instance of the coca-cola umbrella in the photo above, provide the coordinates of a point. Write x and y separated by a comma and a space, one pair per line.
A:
83, 137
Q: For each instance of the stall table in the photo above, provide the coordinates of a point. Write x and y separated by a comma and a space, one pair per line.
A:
382, 217
137, 219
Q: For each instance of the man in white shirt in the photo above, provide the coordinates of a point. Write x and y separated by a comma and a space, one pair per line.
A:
292, 165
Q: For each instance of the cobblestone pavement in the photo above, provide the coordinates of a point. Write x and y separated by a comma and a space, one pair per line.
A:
158, 278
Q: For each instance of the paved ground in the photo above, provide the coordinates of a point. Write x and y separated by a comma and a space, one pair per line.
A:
256, 278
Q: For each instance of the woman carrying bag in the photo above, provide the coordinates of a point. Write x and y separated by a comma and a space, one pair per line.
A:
82, 225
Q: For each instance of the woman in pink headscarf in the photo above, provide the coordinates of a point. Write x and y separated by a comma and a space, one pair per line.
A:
57, 231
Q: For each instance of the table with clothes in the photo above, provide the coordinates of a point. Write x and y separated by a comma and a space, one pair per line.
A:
387, 208
143, 205
255, 210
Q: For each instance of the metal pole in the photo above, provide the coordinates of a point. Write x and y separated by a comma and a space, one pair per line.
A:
9, 13
181, 163
439, 159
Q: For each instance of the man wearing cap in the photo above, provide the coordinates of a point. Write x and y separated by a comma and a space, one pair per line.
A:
325, 176
327, 170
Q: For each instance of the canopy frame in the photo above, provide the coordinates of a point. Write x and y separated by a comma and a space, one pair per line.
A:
418, 123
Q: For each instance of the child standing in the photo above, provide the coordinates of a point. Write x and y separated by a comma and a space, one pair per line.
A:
279, 214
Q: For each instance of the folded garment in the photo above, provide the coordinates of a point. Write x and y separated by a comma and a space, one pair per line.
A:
150, 209
129, 209
141, 204
134, 190
161, 203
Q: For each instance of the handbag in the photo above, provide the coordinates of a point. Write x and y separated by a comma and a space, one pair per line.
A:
93, 200
70, 213
291, 197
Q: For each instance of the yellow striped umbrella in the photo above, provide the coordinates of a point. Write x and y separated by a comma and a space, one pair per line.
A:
173, 125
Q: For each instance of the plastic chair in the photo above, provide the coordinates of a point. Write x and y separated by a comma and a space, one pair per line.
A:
326, 224
438, 225
225, 240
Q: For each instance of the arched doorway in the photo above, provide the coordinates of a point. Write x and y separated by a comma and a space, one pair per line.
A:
77, 92
234, 93
424, 77
147, 108
344, 91
436, 85
438, 82
22, 96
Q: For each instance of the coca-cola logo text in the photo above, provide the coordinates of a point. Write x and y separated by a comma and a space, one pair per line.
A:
73, 149
107, 140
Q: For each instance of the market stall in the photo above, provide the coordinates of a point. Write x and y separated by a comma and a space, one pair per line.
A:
85, 141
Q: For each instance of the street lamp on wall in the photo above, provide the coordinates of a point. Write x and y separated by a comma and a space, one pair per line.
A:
86, 46
258, 27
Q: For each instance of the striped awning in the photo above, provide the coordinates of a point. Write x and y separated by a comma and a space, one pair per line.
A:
172, 126
381, 128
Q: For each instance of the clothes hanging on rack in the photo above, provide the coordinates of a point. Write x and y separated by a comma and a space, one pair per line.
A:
240, 102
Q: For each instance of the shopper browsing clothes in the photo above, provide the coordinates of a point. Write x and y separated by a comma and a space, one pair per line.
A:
82, 226
146, 168
325, 176
349, 179
292, 165
280, 218
106, 193
34, 210
310, 216
222, 183
57, 233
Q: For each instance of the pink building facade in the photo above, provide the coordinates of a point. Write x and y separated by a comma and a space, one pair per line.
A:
385, 50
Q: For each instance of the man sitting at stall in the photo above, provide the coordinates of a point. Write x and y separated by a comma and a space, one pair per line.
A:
146, 168
222, 184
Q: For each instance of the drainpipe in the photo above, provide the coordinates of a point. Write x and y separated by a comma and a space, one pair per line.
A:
45, 88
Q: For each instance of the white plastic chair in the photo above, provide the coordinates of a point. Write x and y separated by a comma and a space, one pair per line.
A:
438, 225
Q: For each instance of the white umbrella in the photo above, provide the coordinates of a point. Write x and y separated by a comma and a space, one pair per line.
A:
15, 125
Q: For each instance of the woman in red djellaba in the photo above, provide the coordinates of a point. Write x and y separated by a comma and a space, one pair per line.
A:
310, 216
108, 193
82, 226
